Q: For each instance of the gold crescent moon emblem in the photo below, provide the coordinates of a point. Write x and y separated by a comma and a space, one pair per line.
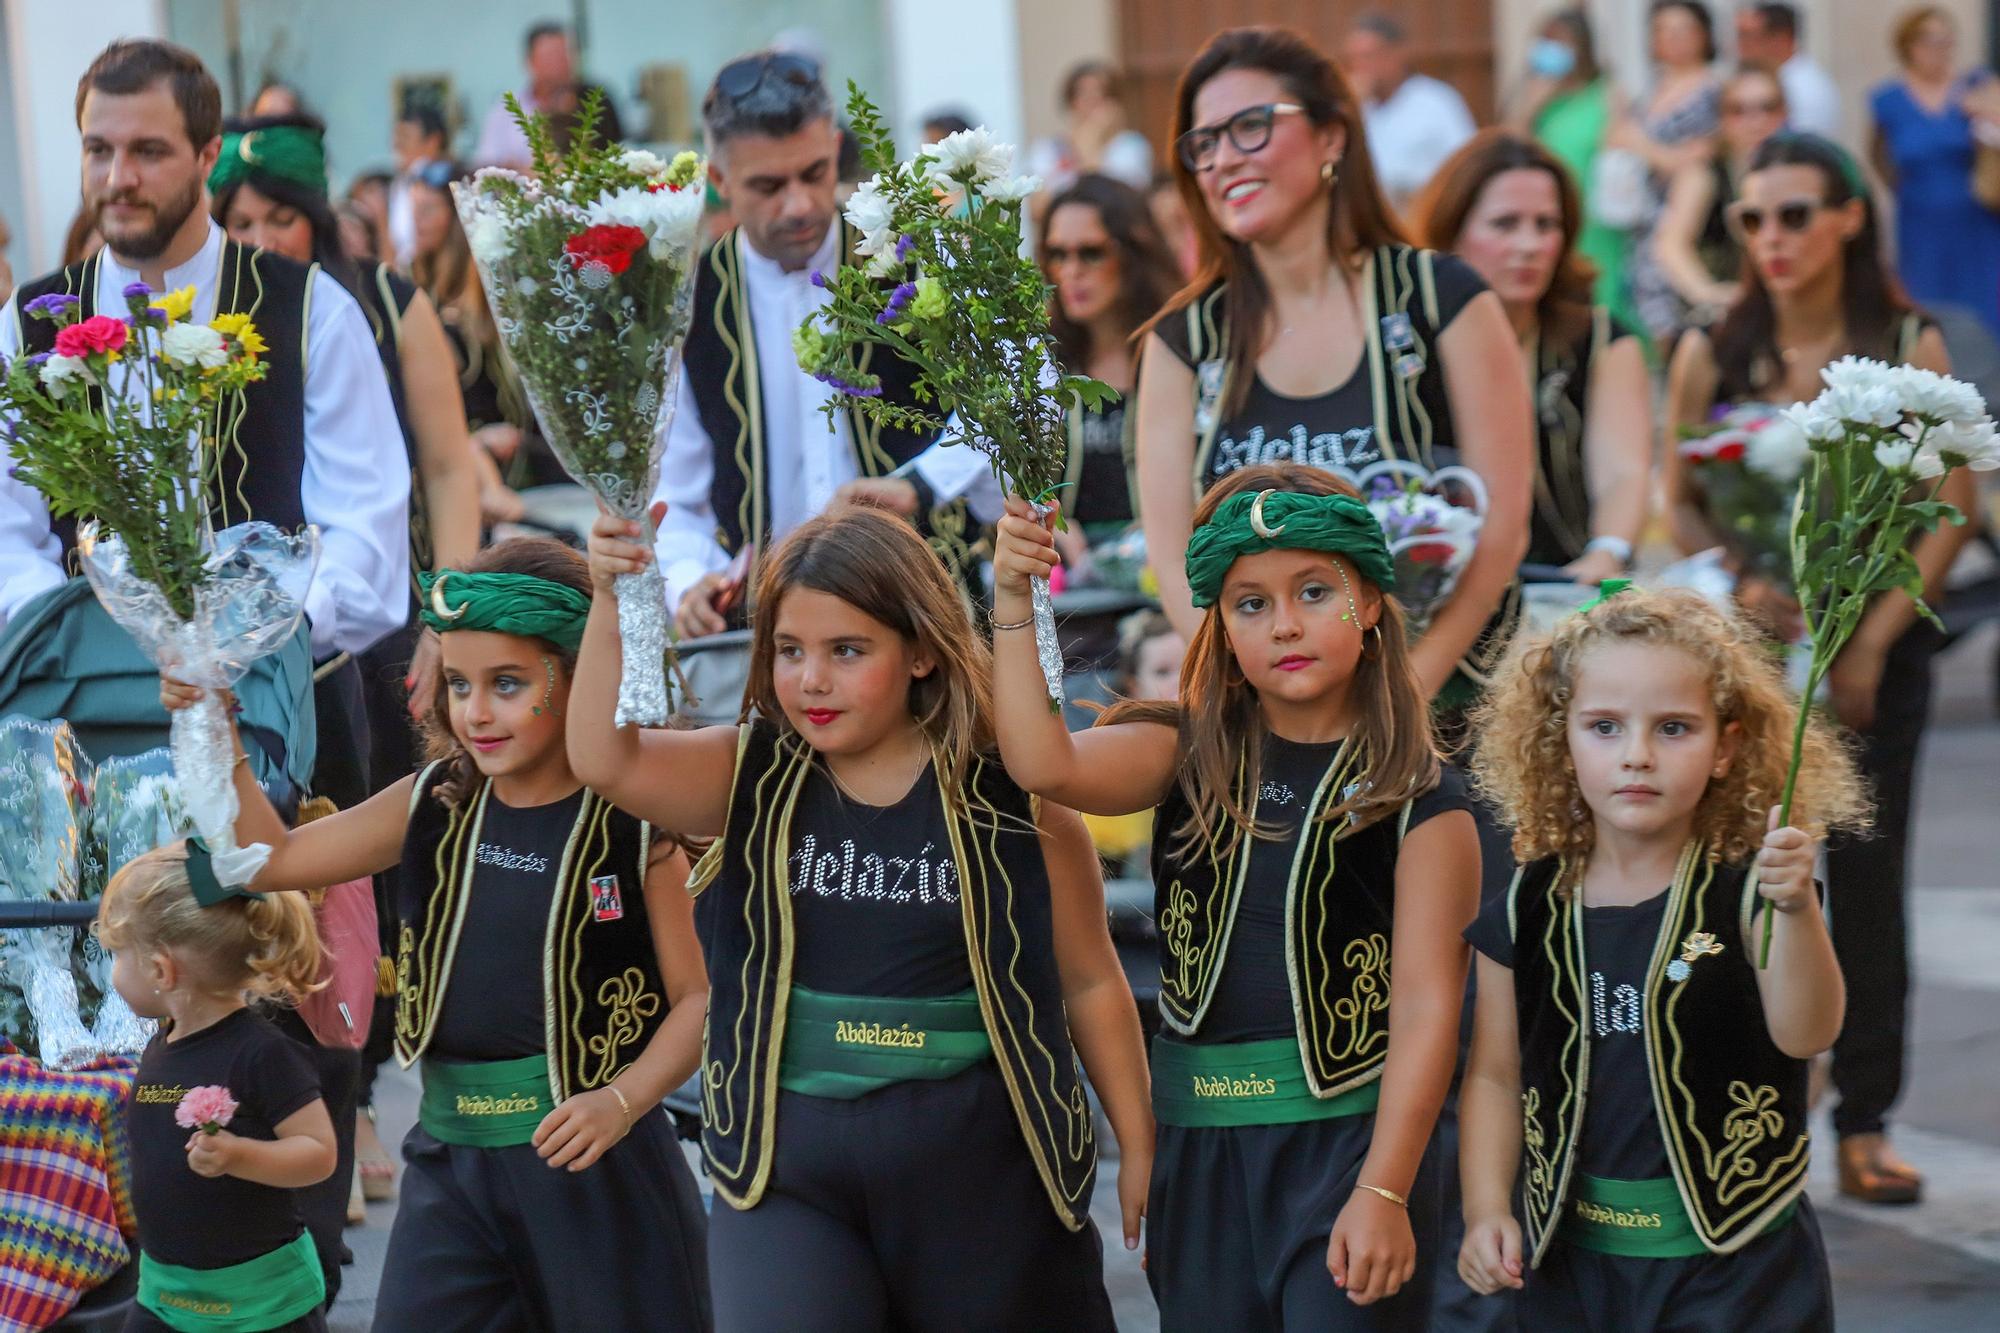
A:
1257, 523
243, 148
438, 607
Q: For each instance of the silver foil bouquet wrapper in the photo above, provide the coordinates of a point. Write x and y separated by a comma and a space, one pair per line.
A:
56, 997
249, 604
595, 333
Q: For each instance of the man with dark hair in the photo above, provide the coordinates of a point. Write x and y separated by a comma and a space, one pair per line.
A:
749, 453
420, 139
317, 441
552, 89
1414, 121
1768, 35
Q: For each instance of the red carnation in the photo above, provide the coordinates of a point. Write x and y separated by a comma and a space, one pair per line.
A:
1728, 452
99, 333
1428, 553
610, 246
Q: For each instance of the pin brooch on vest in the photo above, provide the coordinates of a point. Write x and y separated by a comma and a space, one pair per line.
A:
1698, 945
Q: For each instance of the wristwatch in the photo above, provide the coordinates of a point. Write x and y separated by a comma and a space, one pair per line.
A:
1616, 546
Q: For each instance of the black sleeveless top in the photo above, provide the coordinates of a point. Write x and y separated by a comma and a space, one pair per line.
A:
1559, 524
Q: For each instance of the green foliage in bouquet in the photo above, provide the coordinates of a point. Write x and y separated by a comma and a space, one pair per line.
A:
123, 422
947, 288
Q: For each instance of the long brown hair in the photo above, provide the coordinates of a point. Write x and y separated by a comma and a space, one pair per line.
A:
544, 558
1359, 221
1445, 204
1222, 729
877, 564
1147, 274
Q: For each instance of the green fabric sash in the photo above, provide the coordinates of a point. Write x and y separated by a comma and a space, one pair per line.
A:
1640, 1219
262, 1293
1237, 1083
485, 1103
846, 1046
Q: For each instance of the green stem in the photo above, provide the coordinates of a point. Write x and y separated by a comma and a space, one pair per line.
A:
1814, 674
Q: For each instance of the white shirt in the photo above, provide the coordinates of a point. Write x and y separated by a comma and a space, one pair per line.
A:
806, 458
1413, 130
403, 217
355, 485
501, 143
1812, 102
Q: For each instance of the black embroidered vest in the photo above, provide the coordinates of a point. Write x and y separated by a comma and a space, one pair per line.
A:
1559, 525
1731, 1106
1339, 905
602, 993
384, 296
262, 453
723, 372
744, 916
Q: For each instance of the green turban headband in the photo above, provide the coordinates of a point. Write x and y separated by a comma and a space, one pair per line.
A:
289, 152
504, 604
1253, 521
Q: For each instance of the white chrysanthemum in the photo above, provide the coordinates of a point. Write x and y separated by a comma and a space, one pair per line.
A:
1013, 189
1935, 397
1818, 425
883, 263
59, 368
642, 163
629, 207
675, 222
194, 345
869, 209
876, 243
1870, 401
971, 153
1857, 373
1895, 455
1779, 450
1970, 444
490, 238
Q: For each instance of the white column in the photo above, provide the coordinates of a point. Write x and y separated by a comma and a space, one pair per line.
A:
964, 55
48, 48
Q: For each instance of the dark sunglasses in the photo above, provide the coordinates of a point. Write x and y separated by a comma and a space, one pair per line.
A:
1090, 256
1249, 130
740, 78
1794, 216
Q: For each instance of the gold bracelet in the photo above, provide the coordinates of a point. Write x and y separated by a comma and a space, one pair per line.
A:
624, 1107
1390, 1195
1018, 624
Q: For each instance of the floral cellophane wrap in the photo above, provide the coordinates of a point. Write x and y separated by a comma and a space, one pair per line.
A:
1431, 520
593, 297
248, 605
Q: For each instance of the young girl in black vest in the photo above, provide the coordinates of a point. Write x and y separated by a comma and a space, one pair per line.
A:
548, 980
908, 955
1629, 1056
1306, 848
221, 1240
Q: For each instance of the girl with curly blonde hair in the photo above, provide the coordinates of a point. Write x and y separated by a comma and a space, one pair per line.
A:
1630, 1058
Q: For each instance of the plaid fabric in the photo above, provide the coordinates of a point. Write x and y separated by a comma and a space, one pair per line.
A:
65, 1185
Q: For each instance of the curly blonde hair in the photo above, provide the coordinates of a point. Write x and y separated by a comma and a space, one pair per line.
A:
1521, 759
267, 944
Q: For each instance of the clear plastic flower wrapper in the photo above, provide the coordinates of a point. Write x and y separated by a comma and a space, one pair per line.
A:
1432, 521
248, 604
589, 269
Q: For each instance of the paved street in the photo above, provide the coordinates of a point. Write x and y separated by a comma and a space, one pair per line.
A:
1935, 1267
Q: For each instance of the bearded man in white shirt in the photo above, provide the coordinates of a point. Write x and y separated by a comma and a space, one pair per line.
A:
750, 454
318, 441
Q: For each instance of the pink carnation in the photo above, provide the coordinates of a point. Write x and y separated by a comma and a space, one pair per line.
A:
207, 1109
99, 333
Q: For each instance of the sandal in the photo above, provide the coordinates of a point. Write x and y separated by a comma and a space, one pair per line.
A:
1871, 1171
357, 1207
374, 1173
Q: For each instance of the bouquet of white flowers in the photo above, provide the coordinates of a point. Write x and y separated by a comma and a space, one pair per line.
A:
1875, 432
1432, 522
589, 268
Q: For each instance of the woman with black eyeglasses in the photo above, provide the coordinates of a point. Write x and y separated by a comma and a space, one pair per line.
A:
1111, 270
1314, 333
1816, 289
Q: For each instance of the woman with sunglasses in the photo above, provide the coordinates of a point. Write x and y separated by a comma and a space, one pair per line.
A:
1314, 333
1816, 288
1694, 259
1110, 270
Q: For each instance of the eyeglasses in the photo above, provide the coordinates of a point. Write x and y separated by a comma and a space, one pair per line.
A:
1249, 130
1768, 107
1793, 215
1089, 256
740, 78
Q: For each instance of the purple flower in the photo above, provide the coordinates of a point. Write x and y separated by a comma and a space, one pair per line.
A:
136, 291
897, 300
903, 244
37, 359
851, 390
818, 278
51, 305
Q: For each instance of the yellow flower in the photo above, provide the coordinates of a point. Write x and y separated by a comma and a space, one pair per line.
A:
175, 305
240, 328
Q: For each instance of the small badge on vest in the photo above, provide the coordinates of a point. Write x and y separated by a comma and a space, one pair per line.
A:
1398, 335
1694, 948
605, 903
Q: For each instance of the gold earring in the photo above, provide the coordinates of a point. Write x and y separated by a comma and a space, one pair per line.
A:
1327, 172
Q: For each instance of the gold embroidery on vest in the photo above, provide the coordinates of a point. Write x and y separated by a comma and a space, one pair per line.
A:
1753, 1118
408, 993
627, 1004
1367, 996
1539, 1186
1177, 929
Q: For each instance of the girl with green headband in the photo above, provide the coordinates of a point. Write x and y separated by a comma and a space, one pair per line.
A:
548, 983
1307, 848
908, 958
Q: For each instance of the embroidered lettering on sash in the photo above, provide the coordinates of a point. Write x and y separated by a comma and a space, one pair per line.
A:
150, 1094
194, 1306
1613, 1217
875, 1034
1220, 1086
468, 1104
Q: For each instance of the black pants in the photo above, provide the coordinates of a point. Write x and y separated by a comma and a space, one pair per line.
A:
1238, 1221
1867, 887
142, 1320
1778, 1283
324, 1206
913, 1208
494, 1240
